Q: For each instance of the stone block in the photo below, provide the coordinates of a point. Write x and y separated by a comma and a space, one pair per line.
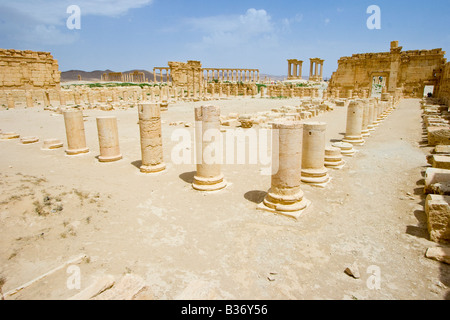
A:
437, 209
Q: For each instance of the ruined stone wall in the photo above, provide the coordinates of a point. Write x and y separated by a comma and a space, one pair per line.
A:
28, 70
444, 85
186, 74
409, 70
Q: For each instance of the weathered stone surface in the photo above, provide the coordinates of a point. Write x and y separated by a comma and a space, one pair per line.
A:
441, 161
27, 70
437, 209
439, 254
438, 135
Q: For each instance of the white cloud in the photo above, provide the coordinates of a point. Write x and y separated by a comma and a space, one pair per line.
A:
255, 26
44, 21
287, 22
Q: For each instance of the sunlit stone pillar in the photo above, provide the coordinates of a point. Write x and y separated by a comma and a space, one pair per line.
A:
207, 133
366, 119
285, 195
354, 124
151, 138
108, 138
313, 154
76, 139
372, 117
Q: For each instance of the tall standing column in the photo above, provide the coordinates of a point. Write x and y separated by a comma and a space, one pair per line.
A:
285, 195
76, 139
151, 138
108, 138
313, 154
207, 130
353, 133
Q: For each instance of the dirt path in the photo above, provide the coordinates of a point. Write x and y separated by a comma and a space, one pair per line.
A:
54, 207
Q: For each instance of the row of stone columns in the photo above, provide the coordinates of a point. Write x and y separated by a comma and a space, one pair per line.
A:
150, 136
363, 116
242, 75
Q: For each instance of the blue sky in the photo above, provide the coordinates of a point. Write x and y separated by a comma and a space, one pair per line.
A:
141, 34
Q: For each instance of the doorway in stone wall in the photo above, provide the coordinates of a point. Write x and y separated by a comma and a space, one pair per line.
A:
378, 83
428, 91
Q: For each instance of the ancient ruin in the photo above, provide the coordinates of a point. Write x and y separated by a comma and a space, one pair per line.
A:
371, 139
409, 71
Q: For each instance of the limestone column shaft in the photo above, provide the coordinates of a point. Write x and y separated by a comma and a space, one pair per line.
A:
372, 117
313, 154
285, 195
151, 138
354, 123
108, 138
366, 120
209, 176
76, 139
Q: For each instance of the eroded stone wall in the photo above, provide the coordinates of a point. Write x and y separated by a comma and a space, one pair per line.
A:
28, 70
409, 70
444, 85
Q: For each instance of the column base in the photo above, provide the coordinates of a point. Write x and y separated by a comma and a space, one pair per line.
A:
50, 144
110, 158
153, 169
356, 141
73, 152
315, 177
9, 136
365, 133
346, 148
336, 165
209, 184
29, 140
285, 207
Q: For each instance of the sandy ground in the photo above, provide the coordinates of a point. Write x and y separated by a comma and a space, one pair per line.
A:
54, 207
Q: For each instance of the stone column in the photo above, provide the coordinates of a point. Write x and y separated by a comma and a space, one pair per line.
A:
313, 155
151, 138
354, 124
209, 176
372, 117
108, 138
366, 119
285, 195
289, 69
76, 139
